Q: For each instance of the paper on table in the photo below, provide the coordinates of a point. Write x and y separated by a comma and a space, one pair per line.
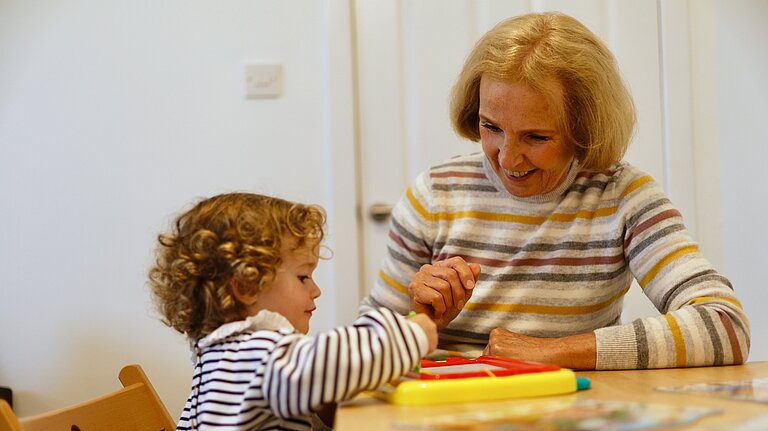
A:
741, 390
561, 414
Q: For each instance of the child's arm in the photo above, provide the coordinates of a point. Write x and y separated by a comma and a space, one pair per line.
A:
305, 372
428, 326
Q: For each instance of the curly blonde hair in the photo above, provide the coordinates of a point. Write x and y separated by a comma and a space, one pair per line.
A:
225, 241
597, 112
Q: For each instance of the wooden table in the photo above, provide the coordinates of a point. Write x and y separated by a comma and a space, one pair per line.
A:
365, 413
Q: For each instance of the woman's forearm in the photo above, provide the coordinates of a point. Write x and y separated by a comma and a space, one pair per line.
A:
578, 352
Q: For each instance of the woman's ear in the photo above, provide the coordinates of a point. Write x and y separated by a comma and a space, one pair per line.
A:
245, 298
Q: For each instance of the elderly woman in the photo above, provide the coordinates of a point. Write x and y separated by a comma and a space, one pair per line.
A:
527, 249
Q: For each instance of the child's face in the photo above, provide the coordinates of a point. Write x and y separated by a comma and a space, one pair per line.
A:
293, 291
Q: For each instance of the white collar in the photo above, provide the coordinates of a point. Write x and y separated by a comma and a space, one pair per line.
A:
263, 320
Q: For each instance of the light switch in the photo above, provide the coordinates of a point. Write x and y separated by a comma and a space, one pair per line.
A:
263, 80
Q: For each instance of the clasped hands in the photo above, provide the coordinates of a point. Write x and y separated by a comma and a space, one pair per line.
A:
442, 289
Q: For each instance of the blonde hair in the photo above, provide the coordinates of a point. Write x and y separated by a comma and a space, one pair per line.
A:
225, 241
597, 113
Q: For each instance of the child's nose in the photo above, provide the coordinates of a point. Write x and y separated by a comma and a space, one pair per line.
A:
315, 290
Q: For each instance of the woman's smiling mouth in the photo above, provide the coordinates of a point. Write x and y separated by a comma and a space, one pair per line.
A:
517, 175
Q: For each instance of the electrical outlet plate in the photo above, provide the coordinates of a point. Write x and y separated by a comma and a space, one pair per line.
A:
263, 80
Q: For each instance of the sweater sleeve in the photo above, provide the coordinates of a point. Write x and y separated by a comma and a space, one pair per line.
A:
409, 246
303, 372
701, 322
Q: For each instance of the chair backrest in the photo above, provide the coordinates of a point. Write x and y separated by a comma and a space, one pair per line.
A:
8, 421
135, 407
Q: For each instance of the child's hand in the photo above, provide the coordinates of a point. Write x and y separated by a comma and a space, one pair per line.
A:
429, 328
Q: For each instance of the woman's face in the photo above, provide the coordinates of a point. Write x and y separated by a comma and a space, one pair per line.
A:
521, 137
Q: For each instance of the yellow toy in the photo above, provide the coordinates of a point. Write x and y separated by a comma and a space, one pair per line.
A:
486, 378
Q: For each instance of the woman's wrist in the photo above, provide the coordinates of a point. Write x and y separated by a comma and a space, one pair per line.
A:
578, 352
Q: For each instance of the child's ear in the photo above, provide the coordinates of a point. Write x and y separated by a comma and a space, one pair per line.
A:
245, 298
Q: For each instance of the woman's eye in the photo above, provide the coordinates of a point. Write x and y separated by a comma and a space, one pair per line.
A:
539, 138
490, 127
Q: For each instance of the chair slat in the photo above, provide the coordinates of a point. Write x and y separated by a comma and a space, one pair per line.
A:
135, 407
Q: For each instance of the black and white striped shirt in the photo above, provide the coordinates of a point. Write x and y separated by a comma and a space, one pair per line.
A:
260, 374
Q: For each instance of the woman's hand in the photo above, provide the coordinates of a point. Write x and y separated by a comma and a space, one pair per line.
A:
574, 351
440, 290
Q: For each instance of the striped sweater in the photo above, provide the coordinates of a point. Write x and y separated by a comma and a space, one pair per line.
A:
560, 264
260, 374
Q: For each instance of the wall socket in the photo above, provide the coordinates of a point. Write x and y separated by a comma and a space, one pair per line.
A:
263, 80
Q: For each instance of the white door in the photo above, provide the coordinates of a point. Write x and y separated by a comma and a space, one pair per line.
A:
408, 59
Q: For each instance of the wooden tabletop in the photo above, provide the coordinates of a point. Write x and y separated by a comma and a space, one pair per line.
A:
365, 413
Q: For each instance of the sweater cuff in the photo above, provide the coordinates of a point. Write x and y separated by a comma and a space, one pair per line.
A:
616, 348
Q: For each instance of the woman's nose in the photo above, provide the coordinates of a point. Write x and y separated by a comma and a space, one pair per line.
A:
510, 153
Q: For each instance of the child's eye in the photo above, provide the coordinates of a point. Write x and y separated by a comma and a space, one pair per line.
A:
303, 278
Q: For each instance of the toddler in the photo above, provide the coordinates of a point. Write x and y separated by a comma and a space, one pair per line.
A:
235, 276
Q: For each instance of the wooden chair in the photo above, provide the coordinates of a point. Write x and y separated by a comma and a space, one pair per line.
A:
135, 407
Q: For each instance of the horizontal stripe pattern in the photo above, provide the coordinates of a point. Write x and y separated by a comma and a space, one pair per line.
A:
262, 378
561, 266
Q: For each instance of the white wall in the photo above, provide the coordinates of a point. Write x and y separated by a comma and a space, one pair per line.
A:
115, 115
741, 107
